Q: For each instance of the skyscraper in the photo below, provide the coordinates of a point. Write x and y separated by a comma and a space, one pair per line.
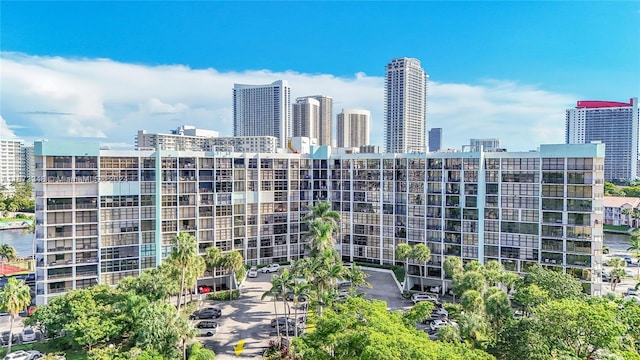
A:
260, 110
614, 123
405, 106
325, 119
435, 139
306, 113
352, 128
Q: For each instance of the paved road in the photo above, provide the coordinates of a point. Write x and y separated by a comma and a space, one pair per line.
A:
385, 288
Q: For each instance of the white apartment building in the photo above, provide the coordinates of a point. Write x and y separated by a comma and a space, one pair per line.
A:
10, 161
263, 110
490, 144
325, 119
616, 124
103, 215
204, 140
353, 128
405, 106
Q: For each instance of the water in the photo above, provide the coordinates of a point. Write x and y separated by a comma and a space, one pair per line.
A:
14, 237
617, 243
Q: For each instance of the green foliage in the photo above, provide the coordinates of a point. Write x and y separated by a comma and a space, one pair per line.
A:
556, 284
472, 302
224, 295
419, 312
362, 329
469, 280
633, 190
529, 297
522, 338
197, 351
20, 200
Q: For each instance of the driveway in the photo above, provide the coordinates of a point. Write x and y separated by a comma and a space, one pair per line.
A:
385, 288
246, 320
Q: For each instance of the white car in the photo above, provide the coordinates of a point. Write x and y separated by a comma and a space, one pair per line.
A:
28, 335
416, 298
271, 268
253, 272
439, 312
632, 292
24, 355
207, 328
438, 324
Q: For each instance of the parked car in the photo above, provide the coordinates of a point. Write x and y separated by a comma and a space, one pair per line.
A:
631, 292
207, 328
292, 330
253, 272
301, 298
28, 335
438, 324
204, 289
343, 284
271, 268
4, 338
439, 312
628, 260
605, 278
419, 297
281, 321
208, 313
24, 355
434, 289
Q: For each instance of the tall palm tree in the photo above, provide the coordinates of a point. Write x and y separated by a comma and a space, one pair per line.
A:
634, 247
628, 212
14, 297
403, 251
356, 276
212, 259
232, 262
452, 266
320, 237
7, 252
182, 255
421, 252
298, 289
273, 292
322, 212
618, 272
195, 270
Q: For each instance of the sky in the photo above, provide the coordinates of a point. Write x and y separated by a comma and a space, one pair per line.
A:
507, 69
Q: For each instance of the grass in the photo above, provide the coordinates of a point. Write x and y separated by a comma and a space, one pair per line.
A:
618, 228
20, 220
50, 347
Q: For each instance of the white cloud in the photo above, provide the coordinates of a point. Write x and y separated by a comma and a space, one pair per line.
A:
51, 97
5, 132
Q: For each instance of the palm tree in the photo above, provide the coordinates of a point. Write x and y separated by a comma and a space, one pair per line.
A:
634, 247
356, 276
31, 229
421, 252
618, 271
273, 292
195, 269
14, 297
298, 289
232, 262
212, 259
628, 212
452, 266
322, 212
182, 254
403, 251
320, 237
325, 272
7, 252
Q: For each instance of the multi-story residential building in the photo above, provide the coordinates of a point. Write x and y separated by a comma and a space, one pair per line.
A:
325, 119
263, 110
492, 144
204, 140
353, 128
435, 139
10, 161
306, 113
27, 162
615, 213
614, 123
405, 106
103, 215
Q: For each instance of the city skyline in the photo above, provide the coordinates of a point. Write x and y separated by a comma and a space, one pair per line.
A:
494, 63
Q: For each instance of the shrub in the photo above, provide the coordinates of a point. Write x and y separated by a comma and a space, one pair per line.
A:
223, 295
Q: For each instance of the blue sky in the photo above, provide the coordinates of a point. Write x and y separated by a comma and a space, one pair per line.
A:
104, 70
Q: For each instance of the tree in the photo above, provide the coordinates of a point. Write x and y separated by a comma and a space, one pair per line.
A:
474, 330
298, 289
195, 270
628, 212
452, 267
422, 253
7, 252
275, 291
529, 297
323, 223
469, 280
360, 329
618, 272
197, 351
472, 302
522, 338
154, 284
579, 327
474, 265
31, 229
213, 259
322, 212
497, 308
182, 255
418, 313
161, 328
634, 247
403, 251
14, 297
232, 262
557, 285
493, 272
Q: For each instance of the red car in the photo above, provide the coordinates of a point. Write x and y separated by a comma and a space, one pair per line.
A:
204, 289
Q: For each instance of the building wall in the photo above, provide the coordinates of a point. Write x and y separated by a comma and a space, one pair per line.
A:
103, 215
10, 161
306, 117
435, 139
325, 120
261, 144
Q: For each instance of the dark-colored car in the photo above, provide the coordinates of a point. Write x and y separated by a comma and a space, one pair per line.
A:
281, 321
301, 298
209, 313
4, 338
291, 332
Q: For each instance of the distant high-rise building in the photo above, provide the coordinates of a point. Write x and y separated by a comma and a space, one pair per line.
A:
262, 110
325, 119
616, 124
405, 106
486, 144
353, 128
435, 139
306, 113
10, 164
188, 138
27, 163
